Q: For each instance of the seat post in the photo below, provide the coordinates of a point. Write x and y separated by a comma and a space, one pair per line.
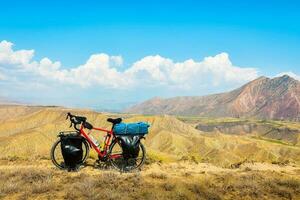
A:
113, 125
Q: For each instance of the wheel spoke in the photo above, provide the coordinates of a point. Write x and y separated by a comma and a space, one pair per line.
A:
57, 158
127, 164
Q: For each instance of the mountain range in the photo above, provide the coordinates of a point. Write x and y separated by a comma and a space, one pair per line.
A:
263, 98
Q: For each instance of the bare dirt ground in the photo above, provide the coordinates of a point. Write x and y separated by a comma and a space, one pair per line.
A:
181, 180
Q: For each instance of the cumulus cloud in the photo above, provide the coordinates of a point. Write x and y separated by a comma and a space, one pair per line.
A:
8, 56
150, 71
190, 73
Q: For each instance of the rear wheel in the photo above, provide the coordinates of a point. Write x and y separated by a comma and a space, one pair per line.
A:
119, 162
57, 158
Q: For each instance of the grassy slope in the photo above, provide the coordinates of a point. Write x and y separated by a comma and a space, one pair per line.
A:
166, 181
31, 136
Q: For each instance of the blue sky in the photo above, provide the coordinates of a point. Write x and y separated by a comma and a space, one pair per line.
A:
260, 37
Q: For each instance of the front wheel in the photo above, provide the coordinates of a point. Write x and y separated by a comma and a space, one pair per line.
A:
120, 163
57, 158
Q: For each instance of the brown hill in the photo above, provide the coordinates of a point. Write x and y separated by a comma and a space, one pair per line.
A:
265, 98
31, 134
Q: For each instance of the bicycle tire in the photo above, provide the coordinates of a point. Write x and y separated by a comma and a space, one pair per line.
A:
61, 166
124, 168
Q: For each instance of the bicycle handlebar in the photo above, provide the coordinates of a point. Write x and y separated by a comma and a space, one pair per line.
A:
76, 120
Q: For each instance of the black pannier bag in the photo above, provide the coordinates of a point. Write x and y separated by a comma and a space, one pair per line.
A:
130, 146
71, 148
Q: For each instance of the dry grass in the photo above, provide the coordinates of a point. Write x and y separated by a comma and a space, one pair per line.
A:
158, 175
174, 168
154, 182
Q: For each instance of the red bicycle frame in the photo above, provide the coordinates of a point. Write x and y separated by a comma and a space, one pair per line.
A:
107, 142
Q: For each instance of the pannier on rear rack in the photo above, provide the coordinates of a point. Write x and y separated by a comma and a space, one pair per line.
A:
129, 136
71, 148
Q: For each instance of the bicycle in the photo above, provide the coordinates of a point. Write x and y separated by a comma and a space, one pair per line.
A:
110, 153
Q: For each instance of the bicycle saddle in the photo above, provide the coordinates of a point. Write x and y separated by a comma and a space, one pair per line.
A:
114, 121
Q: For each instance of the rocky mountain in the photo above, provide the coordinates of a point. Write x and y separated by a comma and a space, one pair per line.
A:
263, 98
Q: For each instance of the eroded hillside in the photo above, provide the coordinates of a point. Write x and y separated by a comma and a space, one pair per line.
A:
31, 134
264, 98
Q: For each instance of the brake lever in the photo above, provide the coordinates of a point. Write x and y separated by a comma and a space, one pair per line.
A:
72, 120
75, 126
68, 115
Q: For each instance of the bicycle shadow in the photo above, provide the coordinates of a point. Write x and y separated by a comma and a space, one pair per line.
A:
97, 165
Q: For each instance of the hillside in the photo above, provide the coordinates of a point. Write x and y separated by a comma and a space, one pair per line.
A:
31, 134
264, 98
279, 131
184, 160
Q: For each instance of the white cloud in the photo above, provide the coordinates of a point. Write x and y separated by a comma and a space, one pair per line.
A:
291, 74
8, 56
188, 74
151, 71
116, 61
2, 76
98, 70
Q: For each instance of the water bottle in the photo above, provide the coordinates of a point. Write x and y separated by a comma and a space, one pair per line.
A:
103, 142
95, 141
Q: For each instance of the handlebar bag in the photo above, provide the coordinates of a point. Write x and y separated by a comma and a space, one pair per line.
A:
130, 146
139, 128
71, 148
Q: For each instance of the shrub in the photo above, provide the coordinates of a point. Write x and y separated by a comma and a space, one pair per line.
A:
168, 186
157, 175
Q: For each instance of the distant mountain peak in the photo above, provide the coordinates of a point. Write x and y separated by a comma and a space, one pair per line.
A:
276, 98
156, 98
262, 78
286, 78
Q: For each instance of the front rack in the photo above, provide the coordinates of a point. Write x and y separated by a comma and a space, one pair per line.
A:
72, 133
